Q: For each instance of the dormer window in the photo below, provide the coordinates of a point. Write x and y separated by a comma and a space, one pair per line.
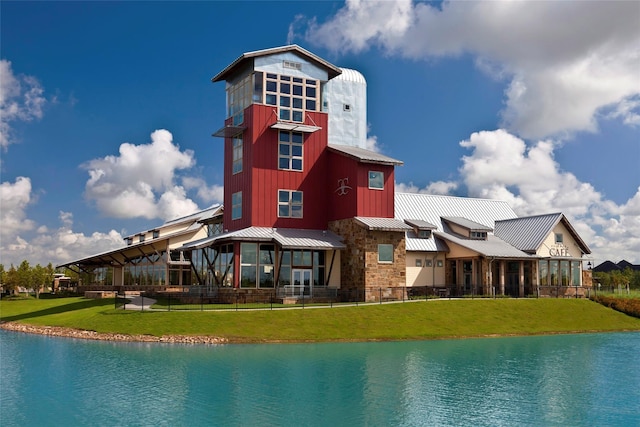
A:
424, 234
478, 235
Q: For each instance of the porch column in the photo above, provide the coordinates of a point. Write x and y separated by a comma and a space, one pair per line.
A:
502, 277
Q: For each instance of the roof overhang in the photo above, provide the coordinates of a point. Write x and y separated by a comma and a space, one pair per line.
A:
228, 131
295, 127
286, 238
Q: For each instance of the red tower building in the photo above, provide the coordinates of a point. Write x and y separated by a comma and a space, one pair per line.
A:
291, 193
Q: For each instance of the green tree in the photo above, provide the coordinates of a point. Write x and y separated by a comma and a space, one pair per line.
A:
41, 277
24, 275
11, 279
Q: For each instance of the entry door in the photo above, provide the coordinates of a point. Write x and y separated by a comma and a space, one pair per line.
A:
467, 269
301, 282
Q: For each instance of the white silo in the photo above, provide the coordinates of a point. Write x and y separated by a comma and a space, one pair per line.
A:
345, 101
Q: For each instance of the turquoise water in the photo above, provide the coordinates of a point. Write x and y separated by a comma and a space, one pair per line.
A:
565, 380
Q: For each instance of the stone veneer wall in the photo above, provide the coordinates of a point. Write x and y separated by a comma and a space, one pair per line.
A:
359, 261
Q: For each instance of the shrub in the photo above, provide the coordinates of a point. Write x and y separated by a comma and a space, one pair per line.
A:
629, 306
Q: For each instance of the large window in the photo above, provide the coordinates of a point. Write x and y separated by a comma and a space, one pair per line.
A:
385, 253
237, 154
292, 95
376, 180
248, 265
236, 205
289, 204
290, 150
239, 98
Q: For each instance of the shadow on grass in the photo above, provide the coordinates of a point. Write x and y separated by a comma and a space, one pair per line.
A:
80, 305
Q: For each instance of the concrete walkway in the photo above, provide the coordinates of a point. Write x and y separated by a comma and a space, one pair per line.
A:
139, 303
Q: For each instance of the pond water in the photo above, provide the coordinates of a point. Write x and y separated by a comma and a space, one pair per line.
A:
584, 379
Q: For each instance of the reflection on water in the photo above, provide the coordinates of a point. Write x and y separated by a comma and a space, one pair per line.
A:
590, 379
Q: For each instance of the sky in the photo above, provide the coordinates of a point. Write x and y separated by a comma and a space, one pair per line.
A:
107, 109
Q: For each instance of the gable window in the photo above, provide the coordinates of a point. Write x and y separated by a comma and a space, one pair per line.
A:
385, 253
237, 154
290, 150
236, 205
559, 238
289, 204
376, 180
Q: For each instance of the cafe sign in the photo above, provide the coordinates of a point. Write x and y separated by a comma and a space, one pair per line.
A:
559, 250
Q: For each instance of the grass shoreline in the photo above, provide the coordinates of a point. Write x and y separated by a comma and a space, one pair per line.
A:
422, 320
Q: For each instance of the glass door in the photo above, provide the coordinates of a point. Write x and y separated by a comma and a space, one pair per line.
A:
301, 283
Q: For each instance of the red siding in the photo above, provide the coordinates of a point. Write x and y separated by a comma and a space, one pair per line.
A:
260, 179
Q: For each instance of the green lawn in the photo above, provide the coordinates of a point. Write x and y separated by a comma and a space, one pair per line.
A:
433, 319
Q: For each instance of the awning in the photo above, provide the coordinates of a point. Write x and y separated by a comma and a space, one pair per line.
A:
295, 127
228, 131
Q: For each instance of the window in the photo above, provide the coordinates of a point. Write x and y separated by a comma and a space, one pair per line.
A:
129, 240
576, 273
289, 204
142, 236
559, 238
292, 95
266, 261
214, 229
424, 234
156, 234
376, 180
290, 150
418, 262
236, 205
440, 263
239, 98
428, 263
248, 265
479, 235
385, 253
237, 154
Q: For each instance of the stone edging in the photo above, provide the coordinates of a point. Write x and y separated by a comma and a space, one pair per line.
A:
57, 331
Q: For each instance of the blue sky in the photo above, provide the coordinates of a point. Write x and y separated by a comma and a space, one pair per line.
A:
107, 109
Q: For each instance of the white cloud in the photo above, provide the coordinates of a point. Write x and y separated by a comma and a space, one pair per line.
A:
20, 100
208, 194
59, 245
14, 199
565, 60
55, 246
443, 188
140, 181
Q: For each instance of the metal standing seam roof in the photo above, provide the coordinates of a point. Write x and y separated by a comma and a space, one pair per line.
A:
363, 155
195, 222
383, 224
420, 224
528, 233
289, 238
492, 247
465, 223
431, 208
332, 70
